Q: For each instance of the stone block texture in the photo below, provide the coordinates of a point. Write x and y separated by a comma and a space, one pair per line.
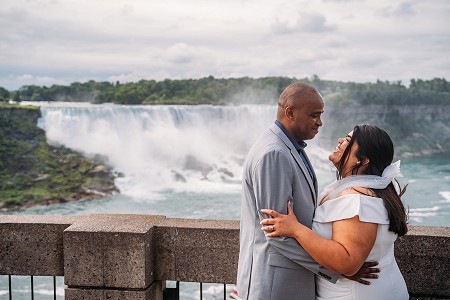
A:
112, 251
154, 292
197, 250
424, 260
32, 245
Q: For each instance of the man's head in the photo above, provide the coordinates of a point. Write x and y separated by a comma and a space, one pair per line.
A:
300, 107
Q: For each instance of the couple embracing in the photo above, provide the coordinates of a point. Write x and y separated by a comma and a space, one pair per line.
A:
297, 244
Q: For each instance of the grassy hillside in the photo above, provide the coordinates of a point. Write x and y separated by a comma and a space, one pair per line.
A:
34, 173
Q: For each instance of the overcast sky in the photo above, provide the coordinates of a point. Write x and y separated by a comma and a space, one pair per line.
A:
47, 42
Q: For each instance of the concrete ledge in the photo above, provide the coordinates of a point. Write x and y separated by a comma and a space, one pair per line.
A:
154, 292
197, 250
32, 245
423, 258
121, 256
112, 251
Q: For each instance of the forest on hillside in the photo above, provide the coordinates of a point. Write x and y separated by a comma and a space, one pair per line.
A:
232, 91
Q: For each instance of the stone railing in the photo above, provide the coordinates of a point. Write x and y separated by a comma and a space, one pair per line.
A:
130, 257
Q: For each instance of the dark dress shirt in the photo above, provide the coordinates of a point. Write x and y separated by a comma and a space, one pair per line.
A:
299, 146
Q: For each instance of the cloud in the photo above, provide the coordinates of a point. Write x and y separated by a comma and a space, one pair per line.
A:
182, 53
28, 79
400, 10
306, 22
65, 41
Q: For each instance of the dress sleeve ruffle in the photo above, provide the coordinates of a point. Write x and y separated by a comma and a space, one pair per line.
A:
369, 209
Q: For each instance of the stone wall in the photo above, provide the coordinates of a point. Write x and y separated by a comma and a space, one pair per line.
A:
131, 256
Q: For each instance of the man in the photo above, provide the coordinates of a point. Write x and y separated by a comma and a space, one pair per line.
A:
277, 170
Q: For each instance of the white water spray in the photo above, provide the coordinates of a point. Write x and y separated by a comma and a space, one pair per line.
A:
161, 148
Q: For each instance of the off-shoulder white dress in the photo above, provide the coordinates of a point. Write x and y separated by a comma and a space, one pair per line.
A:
390, 284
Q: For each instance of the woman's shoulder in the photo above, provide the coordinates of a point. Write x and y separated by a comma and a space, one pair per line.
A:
358, 191
352, 202
350, 193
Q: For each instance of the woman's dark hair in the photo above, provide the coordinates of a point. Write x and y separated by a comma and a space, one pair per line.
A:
376, 147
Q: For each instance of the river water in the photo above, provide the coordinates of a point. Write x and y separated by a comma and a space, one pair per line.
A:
427, 197
186, 161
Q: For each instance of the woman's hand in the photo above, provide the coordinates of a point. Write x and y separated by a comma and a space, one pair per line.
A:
280, 225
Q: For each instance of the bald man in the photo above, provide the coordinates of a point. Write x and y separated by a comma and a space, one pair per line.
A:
276, 170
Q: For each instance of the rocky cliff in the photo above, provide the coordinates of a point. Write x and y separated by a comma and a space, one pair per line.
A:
416, 130
35, 173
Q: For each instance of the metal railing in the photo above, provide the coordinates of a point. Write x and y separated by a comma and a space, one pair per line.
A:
15, 287
25, 288
173, 291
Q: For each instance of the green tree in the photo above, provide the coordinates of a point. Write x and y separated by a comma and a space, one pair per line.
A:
4, 94
218, 91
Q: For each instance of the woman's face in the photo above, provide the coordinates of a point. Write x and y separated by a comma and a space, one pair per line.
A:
336, 155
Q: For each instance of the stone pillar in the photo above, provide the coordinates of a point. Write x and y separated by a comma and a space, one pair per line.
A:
197, 250
423, 258
111, 257
32, 245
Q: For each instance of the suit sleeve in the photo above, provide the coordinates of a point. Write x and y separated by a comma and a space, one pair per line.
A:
273, 176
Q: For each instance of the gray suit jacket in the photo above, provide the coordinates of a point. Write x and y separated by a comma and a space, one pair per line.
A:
276, 268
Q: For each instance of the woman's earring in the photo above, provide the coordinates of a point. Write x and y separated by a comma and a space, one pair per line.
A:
358, 162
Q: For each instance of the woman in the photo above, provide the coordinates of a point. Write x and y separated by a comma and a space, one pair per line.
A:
359, 217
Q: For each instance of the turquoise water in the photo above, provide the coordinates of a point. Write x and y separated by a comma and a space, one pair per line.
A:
427, 197
428, 191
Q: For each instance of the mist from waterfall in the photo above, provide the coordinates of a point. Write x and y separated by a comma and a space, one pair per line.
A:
162, 148
186, 161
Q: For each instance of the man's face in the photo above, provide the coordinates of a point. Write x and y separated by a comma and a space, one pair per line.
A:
307, 117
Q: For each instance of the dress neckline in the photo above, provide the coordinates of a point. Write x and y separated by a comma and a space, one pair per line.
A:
354, 181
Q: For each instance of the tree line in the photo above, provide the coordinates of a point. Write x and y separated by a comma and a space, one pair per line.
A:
210, 90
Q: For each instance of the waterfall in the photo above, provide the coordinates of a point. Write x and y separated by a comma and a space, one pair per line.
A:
157, 148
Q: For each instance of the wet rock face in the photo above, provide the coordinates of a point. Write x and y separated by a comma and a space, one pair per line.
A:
416, 130
35, 173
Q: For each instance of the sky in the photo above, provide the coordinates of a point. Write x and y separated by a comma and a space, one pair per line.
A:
46, 42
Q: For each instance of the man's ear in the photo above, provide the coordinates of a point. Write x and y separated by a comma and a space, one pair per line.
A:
289, 112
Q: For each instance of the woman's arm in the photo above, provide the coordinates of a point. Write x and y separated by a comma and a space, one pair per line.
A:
345, 253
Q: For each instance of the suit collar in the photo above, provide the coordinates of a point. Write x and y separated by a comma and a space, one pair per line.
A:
299, 145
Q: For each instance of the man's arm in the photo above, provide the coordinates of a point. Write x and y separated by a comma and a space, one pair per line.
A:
272, 185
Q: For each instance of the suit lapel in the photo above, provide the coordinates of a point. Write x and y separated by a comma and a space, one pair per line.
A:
276, 130
302, 166
314, 176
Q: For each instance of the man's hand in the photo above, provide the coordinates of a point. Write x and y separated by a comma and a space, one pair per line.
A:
366, 271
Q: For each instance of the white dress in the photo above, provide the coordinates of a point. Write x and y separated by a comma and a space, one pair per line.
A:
390, 284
